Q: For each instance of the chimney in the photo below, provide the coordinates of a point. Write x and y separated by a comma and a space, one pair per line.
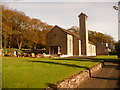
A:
83, 32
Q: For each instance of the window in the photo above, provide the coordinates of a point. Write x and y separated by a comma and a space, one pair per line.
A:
70, 44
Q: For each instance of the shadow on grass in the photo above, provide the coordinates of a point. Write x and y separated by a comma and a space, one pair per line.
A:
64, 64
107, 59
86, 59
56, 63
74, 59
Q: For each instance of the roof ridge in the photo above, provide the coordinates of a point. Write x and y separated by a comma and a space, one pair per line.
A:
67, 31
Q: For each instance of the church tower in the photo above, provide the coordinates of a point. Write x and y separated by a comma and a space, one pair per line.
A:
83, 32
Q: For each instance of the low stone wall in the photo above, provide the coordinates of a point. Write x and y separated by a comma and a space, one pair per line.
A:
76, 80
95, 68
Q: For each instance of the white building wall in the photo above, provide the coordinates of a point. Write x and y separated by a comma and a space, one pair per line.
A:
94, 50
79, 47
91, 50
69, 45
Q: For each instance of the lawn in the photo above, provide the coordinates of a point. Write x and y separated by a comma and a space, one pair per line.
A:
26, 72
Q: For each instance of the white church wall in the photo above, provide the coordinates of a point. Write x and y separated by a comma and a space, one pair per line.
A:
91, 50
79, 47
94, 50
69, 45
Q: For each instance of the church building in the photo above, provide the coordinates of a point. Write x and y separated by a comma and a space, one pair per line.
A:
64, 42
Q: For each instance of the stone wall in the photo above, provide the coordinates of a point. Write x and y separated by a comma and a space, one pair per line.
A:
95, 68
76, 80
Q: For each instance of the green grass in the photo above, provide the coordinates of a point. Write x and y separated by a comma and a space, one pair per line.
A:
28, 72
109, 58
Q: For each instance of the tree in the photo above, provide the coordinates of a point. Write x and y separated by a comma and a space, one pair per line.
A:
20, 30
95, 37
117, 48
6, 29
74, 29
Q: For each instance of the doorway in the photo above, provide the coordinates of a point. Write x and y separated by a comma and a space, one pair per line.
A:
55, 50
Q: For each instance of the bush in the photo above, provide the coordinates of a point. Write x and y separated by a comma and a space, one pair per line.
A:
10, 51
117, 48
112, 53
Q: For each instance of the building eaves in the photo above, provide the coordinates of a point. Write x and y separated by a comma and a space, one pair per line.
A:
68, 32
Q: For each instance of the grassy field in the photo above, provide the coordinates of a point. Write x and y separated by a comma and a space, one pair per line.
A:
28, 72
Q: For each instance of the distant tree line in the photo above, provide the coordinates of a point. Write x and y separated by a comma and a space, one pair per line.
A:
95, 37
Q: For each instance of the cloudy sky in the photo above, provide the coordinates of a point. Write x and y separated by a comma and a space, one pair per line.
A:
101, 16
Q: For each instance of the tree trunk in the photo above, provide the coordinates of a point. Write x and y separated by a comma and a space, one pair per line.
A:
5, 43
19, 44
34, 47
9, 42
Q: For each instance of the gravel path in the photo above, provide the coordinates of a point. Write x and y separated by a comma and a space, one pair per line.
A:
107, 77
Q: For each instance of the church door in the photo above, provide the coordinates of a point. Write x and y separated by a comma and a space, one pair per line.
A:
55, 50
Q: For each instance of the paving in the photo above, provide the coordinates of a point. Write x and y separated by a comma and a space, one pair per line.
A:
107, 77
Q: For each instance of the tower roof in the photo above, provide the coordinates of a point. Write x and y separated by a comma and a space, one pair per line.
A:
82, 14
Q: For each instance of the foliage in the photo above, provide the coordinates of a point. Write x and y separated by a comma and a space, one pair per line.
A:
11, 50
19, 30
117, 48
95, 37
112, 53
74, 29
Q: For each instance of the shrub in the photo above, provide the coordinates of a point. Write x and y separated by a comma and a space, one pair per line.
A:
117, 48
112, 53
10, 51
